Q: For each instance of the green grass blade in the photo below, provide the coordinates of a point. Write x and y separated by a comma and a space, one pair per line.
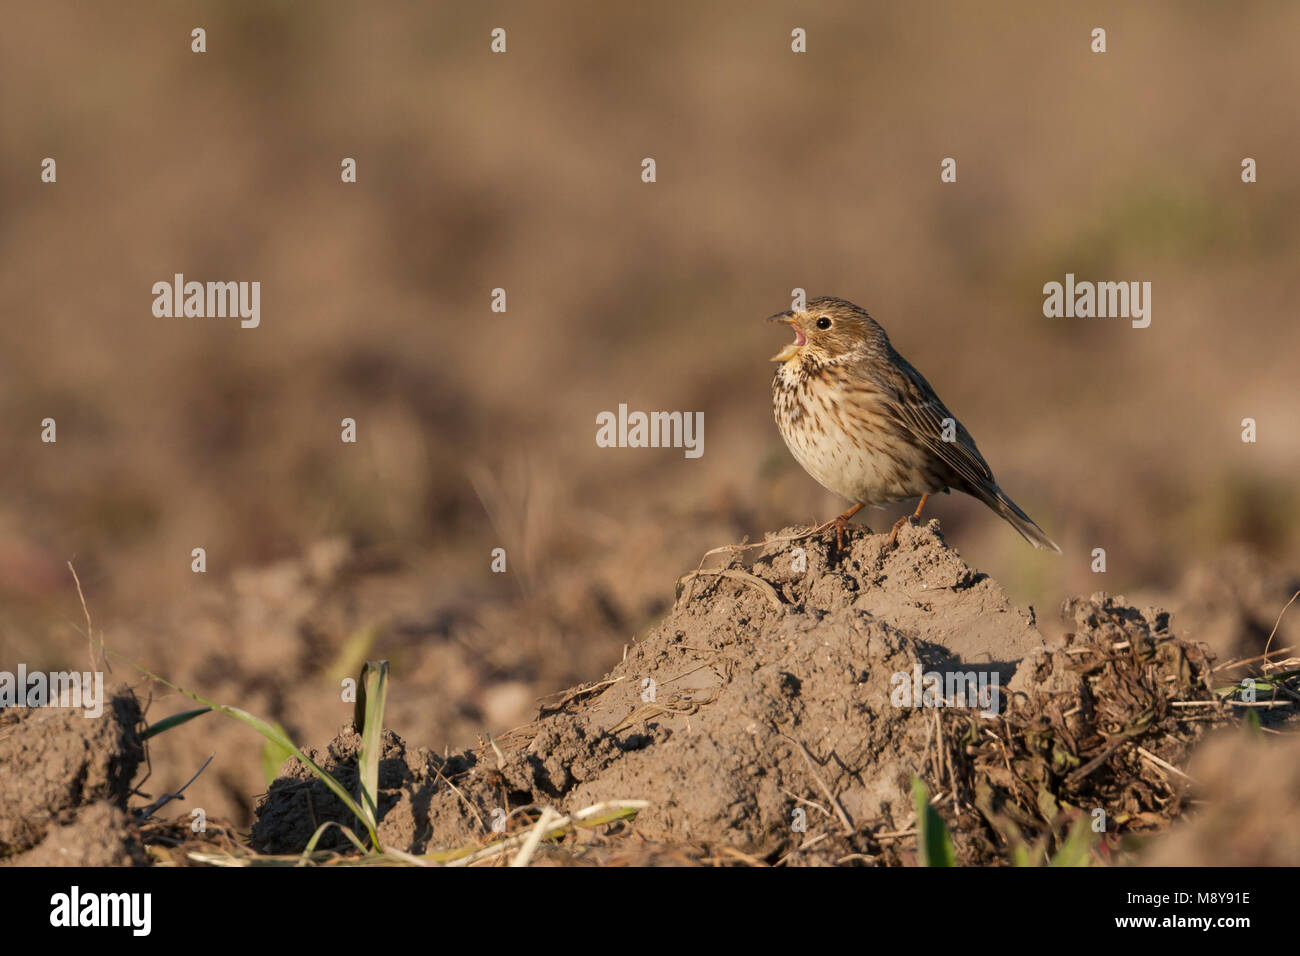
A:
274, 735
273, 758
372, 694
933, 842
306, 856
175, 720
354, 652
1077, 848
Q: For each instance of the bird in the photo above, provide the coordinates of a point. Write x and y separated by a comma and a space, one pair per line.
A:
865, 424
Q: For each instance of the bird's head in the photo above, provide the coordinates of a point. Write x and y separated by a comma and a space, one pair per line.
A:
827, 330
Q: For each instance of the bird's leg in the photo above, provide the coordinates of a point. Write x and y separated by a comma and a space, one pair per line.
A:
840, 524
916, 516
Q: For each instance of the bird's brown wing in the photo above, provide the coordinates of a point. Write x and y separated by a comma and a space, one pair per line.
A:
916, 407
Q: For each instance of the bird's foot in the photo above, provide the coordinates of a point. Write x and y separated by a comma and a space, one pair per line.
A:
840, 524
835, 523
913, 518
893, 535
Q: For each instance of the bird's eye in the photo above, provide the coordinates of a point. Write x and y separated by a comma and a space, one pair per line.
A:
823, 323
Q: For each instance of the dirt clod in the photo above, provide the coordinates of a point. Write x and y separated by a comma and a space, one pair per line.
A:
54, 761
101, 834
1090, 737
745, 725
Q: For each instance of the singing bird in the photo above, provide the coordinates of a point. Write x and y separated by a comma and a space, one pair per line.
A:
867, 425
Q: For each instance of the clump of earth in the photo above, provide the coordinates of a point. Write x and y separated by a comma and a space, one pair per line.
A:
784, 707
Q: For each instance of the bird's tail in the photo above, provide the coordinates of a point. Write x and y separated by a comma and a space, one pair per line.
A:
996, 499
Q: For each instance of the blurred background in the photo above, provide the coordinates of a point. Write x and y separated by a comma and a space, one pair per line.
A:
476, 429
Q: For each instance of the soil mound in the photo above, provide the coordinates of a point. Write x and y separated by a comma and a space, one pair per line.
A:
64, 778
783, 708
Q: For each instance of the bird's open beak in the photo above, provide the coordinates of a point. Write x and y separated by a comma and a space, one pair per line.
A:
800, 340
